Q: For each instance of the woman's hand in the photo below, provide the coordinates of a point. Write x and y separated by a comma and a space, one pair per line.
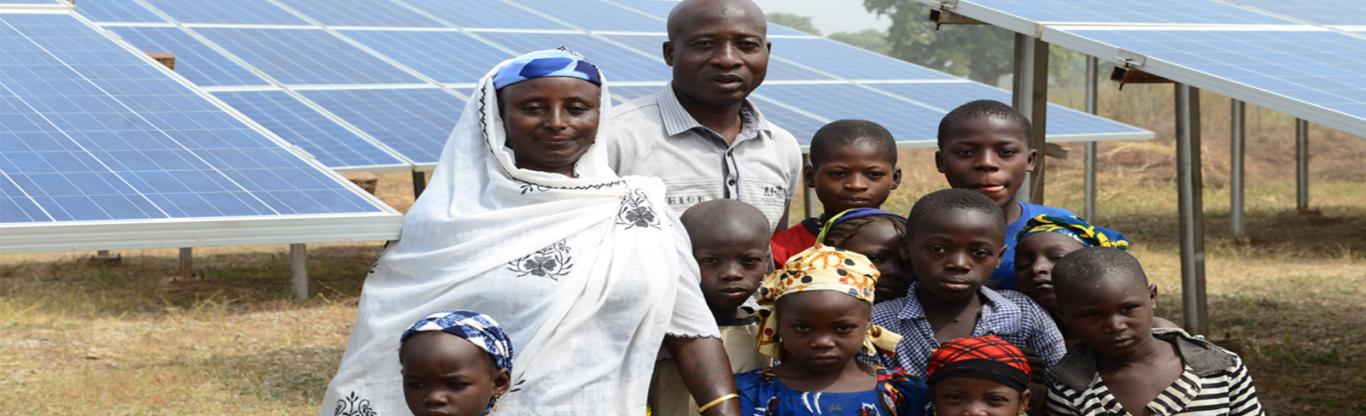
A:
705, 368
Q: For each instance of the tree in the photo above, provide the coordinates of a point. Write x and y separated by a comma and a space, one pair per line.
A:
870, 39
793, 21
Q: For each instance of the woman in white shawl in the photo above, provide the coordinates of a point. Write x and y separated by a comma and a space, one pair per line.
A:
524, 221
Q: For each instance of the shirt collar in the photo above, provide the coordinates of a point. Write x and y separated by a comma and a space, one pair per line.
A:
677, 120
1078, 368
998, 316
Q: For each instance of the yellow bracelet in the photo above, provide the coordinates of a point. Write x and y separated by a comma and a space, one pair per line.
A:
715, 402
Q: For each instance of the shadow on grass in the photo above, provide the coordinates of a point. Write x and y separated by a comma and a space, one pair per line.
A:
231, 282
1334, 233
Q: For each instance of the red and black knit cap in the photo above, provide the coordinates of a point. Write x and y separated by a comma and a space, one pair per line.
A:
986, 357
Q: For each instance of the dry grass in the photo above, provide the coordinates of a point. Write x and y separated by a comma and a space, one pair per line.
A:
84, 339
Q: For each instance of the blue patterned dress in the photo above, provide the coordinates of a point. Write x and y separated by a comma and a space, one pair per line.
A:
897, 394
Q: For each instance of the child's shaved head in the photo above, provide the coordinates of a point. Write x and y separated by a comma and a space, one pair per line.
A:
1084, 268
841, 133
953, 122
953, 199
724, 216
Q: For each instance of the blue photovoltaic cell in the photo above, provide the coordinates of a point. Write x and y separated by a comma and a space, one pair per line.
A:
1128, 11
618, 63
484, 14
193, 59
846, 61
650, 44
631, 93
1330, 75
115, 11
661, 8
294, 121
595, 15
449, 57
413, 122
2, 2
907, 122
1324, 12
93, 132
360, 13
949, 95
306, 56
801, 126
220, 11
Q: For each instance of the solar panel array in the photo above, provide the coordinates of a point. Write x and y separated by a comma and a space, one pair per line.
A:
95, 137
378, 84
1306, 59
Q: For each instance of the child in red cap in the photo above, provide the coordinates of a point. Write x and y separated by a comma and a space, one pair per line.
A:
978, 376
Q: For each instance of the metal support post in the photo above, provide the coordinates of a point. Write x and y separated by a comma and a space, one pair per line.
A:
1089, 159
419, 183
1302, 165
186, 262
1030, 97
809, 202
1237, 141
1189, 187
298, 266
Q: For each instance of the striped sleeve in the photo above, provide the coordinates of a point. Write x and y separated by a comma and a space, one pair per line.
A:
1061, 400
1242, 394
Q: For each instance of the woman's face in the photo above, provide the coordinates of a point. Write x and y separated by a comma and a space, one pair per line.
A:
551, 122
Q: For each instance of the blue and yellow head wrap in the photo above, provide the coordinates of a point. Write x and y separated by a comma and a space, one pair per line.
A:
1075, 227
548, 63
477, 328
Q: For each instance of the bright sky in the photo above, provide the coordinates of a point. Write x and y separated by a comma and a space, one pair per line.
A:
829, 15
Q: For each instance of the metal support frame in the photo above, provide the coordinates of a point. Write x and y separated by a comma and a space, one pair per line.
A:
1196, 316
1030, 97
809, 202
419, 183
1089, 159
1302, 165
1237, 148
298, 266
186, 262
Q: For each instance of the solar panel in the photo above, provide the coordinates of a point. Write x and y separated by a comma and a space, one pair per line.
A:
194, 60
596, 15
651, 45
116, 11
331, 143
1063, 123
360, 13
450, 57
1310, 73
619, 63
1025, 16
3, 2
261, 12
908, 122
306, 56
95, 135
484, 14
660, 10
413, 122
846, 61
1324, 12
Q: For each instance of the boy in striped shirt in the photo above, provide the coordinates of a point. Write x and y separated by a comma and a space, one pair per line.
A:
1125, 367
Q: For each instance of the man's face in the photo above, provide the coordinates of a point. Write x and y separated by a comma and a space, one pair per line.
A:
718, 54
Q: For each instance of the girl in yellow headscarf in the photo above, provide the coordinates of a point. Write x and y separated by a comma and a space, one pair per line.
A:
814, 318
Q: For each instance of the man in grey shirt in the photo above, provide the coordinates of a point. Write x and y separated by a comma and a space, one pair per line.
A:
700, 134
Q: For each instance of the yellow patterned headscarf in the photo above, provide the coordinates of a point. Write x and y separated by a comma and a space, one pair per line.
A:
821, 268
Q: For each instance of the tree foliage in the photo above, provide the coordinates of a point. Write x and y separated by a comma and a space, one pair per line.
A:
793, 21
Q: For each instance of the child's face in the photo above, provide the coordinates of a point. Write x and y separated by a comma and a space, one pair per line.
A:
733, 265
447, 375
989, 155
1114, 316
822, 331
954, 252
855, 175
1034, 259
881, 243
966, 396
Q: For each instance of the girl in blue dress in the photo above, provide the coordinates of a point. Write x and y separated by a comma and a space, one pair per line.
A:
814, 318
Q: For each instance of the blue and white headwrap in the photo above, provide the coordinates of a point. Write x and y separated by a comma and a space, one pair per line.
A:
549, 63
477, 328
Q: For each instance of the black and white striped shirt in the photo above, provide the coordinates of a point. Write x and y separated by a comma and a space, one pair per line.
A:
1214, 382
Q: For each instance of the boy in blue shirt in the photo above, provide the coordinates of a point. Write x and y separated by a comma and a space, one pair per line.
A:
984, 146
